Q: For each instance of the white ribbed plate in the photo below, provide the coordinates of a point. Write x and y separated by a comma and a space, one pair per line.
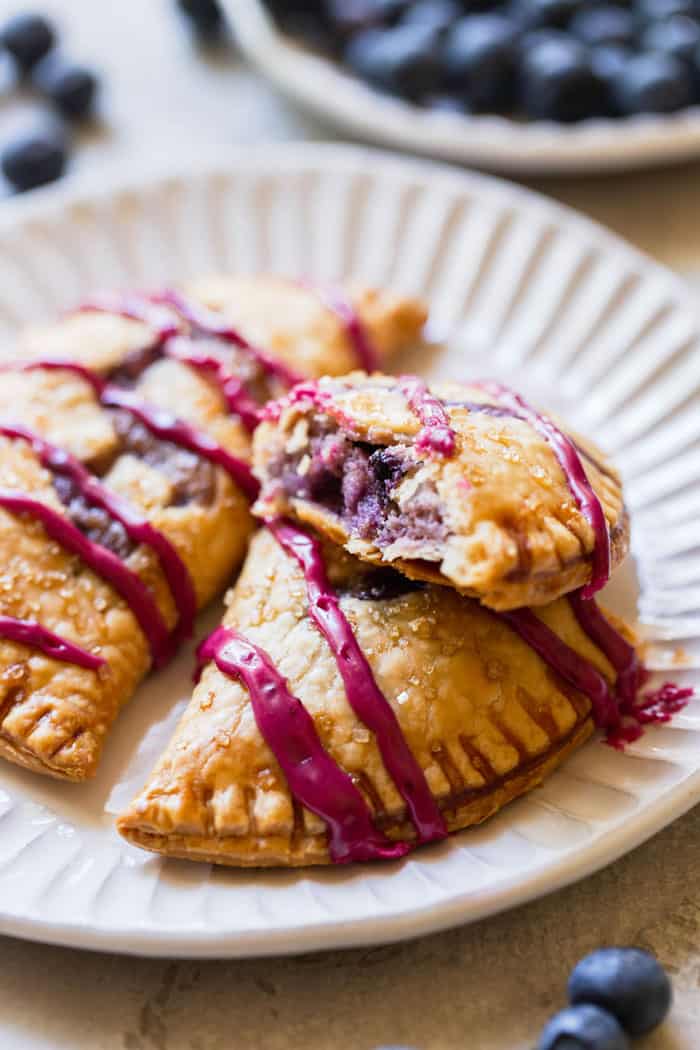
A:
525, 290
495, 142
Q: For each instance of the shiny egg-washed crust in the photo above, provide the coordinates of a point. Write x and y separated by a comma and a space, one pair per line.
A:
54, 716
483, 715
514, 536
294, 322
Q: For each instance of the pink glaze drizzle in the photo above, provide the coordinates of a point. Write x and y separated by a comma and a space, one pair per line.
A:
566, 661
573, 468
313, 777
27, 632
104, 563
137, 528
208, 322
161, 423
621, 711
164, 311
437, 435
357, 334
363, 694
238, 400
635, 711
135, 308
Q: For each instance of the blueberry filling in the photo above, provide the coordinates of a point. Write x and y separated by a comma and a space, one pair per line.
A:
193, 479
94, 522
381, 585
358, 482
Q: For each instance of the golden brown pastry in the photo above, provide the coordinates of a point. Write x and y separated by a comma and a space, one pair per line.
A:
348, 713
125, 488
461, 484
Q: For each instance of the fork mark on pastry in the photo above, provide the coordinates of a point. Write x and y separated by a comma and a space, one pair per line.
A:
361, 689
314, 779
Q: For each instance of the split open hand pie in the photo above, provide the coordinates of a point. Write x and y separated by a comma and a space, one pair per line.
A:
465, 485
125, 486
346, 713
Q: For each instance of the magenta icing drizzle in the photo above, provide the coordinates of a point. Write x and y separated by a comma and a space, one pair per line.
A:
104, 563
27, 632
363, 694
621, 711
312, 775
168, 427
573, 468
237, 398
161, 423
351, 321
208, 322
437, 435
164, 311
565, 661
137, 528
136, 308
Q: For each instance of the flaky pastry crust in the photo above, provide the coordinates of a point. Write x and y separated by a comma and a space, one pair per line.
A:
482, 714
497, 519
54, 716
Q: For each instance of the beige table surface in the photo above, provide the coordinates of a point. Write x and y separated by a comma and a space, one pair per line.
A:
485, 987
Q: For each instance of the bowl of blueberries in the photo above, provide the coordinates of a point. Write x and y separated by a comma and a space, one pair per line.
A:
516, 85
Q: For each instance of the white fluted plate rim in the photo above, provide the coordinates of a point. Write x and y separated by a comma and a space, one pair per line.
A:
506, 269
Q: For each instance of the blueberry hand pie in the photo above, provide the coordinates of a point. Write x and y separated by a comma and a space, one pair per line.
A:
465, 485
125, 484
346, 712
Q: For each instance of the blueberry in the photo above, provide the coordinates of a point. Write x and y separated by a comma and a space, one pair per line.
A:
440, 15
205, 15
403, 60
559, 82
604, 25
480, 60
677, 35
348, 16
659, 9
583, 1027
628, 982
608, 63
535, 14
28, 38
35, 160
71, 88
653, 83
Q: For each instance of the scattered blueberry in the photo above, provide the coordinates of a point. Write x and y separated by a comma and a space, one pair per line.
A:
403, 60
559, 82
28, 38
607, 24
35, 160
206, 15
627, 982
71, 88
480, 60
583, 1027
653, 83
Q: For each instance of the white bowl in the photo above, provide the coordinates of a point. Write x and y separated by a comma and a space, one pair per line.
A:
497, 143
